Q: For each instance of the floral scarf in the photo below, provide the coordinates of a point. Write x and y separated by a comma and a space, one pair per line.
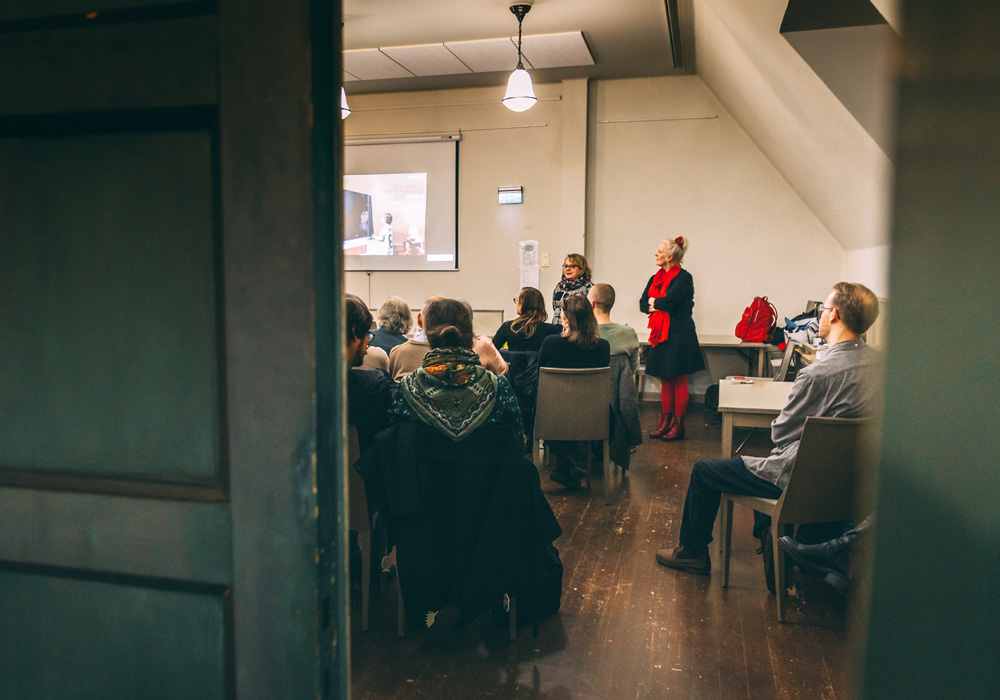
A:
451, 391
659, 321
569, 285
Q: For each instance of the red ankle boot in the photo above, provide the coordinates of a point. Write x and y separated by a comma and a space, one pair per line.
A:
676, 429
663, 424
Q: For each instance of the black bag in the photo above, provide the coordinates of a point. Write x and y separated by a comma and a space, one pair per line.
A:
712, 402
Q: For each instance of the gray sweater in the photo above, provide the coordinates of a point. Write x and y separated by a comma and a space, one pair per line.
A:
844, 384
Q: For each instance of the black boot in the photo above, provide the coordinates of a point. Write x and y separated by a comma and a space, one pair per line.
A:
830, 559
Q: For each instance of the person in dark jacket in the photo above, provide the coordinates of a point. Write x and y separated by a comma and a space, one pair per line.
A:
369, 391
580, 346
669, 299
529, 329
394, 322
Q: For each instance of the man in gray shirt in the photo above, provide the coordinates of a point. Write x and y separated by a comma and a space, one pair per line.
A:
843, 384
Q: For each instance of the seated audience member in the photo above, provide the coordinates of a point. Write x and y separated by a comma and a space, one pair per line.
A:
393, 324
489, 356
623, 339
451, 391
579, 346
406, 357
529, 329
376, 358
843, 384
369, 392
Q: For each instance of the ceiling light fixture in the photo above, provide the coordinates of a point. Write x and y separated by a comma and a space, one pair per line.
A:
345, 111
520, 95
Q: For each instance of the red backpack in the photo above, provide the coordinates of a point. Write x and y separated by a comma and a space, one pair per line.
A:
758, 322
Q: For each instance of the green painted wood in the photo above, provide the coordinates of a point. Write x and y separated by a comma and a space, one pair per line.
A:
72, 639
107, 269
932, 622
117, 66
133, 536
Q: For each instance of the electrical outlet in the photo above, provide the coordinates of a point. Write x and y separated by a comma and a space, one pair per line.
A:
544, 259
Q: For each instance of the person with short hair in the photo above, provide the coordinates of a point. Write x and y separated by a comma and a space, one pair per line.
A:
394, 322
580, 346
451, 391
674, 350
406, 357
369, 392
529, 329
623, 339
844, 384
576, 275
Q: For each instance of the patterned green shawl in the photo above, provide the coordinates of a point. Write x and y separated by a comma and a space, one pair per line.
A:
451, 391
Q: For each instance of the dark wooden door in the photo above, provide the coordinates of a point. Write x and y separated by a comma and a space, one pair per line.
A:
162, 197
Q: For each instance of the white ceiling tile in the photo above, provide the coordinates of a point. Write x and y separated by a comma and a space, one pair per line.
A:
487, 55
426, 59
557, 50
372, 64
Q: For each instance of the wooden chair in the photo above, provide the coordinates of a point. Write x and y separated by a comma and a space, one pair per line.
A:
360, 521
820, 489
573, 405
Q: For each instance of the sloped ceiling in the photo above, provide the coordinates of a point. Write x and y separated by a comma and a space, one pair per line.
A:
826, 156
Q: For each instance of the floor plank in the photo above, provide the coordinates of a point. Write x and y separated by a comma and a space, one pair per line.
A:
628, 628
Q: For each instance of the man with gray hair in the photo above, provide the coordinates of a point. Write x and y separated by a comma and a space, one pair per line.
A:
394, 322
843, 384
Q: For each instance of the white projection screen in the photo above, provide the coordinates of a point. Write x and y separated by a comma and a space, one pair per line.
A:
401, 205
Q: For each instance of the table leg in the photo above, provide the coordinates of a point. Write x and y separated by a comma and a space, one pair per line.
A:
761, 357
727, 435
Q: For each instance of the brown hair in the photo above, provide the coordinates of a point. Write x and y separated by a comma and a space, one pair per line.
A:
856, 304
448, 323
579, 314
394, 315
577, 259
603, 296
359, 318
533, 312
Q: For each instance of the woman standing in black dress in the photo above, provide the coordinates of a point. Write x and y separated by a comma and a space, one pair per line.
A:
669, 299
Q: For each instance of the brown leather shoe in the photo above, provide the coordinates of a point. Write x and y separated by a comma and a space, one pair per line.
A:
663, 424
676, 430
684, 560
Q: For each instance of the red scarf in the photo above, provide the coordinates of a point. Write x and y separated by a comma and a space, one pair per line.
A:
659, 321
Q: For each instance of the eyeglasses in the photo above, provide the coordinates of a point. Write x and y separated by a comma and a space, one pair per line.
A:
570, 267
370, 336
821, 309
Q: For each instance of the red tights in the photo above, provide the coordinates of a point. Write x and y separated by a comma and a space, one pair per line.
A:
674, 394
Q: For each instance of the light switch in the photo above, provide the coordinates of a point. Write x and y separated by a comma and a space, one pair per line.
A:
543, 259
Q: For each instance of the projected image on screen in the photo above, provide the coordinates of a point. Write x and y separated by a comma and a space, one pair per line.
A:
385, 214
401, 205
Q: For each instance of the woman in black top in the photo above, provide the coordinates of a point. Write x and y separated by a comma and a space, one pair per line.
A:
579, 346
529, 329
669, 299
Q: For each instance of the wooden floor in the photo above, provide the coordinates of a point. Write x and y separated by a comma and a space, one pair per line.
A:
628, 628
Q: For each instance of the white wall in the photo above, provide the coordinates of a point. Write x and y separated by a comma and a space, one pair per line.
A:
641, 181
870, 267
667, 159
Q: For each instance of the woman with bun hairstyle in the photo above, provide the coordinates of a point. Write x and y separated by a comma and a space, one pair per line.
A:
529, 329
575, 280
451, 391
674, 353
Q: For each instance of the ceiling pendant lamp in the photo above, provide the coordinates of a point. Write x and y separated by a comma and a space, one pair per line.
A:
520, 94
345, 111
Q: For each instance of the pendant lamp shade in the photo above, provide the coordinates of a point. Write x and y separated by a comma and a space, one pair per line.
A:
344, 109
520, 94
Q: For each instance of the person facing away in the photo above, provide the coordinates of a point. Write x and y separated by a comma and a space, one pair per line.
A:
529, 329
369, 392
843, 384
580, 346
406, 357
575, 280
451, 391
622, 339
394, 322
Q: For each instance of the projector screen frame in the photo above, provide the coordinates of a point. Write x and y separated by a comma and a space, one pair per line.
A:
440, 207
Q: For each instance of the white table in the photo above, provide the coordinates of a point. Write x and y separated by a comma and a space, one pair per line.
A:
752, 405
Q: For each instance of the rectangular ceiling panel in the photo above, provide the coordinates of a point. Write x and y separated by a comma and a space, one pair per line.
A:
372, 64
487, 55
426, 59
557, 50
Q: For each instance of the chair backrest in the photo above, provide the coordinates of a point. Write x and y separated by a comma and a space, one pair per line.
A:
821, 487
573, 404
357, 501
786, 361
